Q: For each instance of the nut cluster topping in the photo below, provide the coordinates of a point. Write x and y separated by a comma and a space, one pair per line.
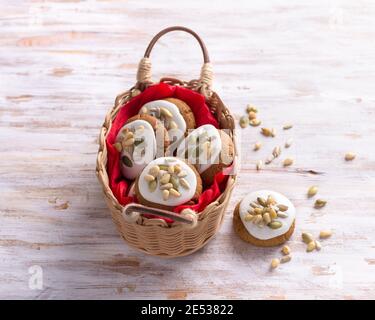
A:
264, 212
169, 178
163, 114
129, 139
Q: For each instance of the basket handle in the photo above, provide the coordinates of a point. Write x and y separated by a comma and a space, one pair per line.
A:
144, 73
206, 58
132, 212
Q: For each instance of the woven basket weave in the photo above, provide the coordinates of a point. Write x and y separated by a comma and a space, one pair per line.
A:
189, 232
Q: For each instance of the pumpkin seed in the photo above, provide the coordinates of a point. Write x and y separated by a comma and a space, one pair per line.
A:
149, 177
128, 142
282, 215
266, 218
184, 183
324, 234
259, 165
286, 250
288, 162
311, 246
266, 132
288, 126
165, 195
276, 152
244, 122
154, 171
249, 218
163, 167
251, 108
258, 210
275, 263
270, 201
255, 122
258, 218
251, 211
166, 113
182, 174
254, 205
262, 202
313, 190
307, 237
171, 169
126, 161
174, 193
118, 146
128, 135
175, 182
282, 207
286, 259
275, 225
288, 143
257, 146
166, 186
140, 128
165, 178
349, 156
273, 213
320, 203
177, 168
152, 185
252, 115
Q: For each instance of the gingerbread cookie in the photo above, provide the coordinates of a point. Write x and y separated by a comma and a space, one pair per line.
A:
210, 150
175, 115
137, 144
264, 218
168, 182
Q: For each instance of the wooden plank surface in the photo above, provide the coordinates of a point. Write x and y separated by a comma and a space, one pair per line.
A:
309, 63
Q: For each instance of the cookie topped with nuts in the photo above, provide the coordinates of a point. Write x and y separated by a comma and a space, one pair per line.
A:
210, 150
265, 218
137, 144
167, 182
175, 114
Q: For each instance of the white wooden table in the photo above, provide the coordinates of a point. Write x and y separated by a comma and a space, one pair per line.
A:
62, 64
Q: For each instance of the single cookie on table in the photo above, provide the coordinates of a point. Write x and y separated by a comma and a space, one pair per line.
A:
264, 218
168, 182
137, 143
210, 150
175, 115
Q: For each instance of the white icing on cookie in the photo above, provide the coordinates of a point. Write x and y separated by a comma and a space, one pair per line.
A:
267, 233
177, 121
156, 196
206, 133
141, 154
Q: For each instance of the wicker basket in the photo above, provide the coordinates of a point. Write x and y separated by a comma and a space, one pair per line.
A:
189, 232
